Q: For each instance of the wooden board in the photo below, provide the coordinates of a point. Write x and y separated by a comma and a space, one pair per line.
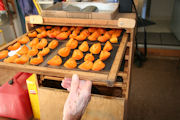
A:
118, 59
88, 22
51, 102
62, 72
116, 84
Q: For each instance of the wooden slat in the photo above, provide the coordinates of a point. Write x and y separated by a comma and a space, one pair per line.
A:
99, 108
86, 22
116, 84
126, 23
129, 44
117, 61
130, 61
54, 72
126, 69
122, 74
126, 57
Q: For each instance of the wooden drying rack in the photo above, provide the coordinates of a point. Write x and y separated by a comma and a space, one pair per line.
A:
125, 21
108, 77
122, 21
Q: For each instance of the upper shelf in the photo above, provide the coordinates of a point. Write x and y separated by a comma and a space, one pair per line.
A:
122, 20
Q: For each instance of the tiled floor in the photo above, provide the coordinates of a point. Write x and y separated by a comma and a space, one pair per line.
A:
161, 26
167, 39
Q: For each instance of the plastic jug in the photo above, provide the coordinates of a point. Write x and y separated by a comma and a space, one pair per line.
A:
14, 98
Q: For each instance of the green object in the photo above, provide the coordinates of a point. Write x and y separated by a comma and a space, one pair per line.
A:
90, 9
10, 82
72, 8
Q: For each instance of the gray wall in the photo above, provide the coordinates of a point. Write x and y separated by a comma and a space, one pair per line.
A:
161, 9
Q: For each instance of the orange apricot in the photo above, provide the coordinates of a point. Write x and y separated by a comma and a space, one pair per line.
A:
95, 48
81, 37
11, 59
98, 65
48, 27
53, 34
33, 34
34, 42
104, 55
101, 30
64, 52
34, 51
40, 29
42, 44
72, 44
89, 57
85, 32
108, 46
44, 52
64, 29
77, 54
3, 54
14, 47
22, 60
42, 34
53, 44
70, 63
104, 38
87, 65
24, 40
62, 36
84, 46
91, 29
37, 60
72, 28
93, 36
23, 50
55, 61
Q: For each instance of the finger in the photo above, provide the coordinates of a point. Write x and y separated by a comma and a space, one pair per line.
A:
87, 86
66, 84
68, 89
67, 79
63, 84
74, 83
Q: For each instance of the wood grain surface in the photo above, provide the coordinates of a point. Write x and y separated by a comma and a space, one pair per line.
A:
100, 107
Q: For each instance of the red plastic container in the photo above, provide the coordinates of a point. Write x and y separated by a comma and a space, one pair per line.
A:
14, 98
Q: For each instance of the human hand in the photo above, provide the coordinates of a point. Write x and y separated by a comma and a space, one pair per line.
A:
78, 98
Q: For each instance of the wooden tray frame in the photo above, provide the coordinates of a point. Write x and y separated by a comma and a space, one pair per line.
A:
107, 77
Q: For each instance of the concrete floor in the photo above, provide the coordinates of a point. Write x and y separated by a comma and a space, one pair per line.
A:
154, 93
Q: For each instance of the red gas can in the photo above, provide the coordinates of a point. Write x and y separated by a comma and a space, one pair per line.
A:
14, 98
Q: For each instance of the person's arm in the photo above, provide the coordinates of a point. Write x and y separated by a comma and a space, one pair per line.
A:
78, 98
